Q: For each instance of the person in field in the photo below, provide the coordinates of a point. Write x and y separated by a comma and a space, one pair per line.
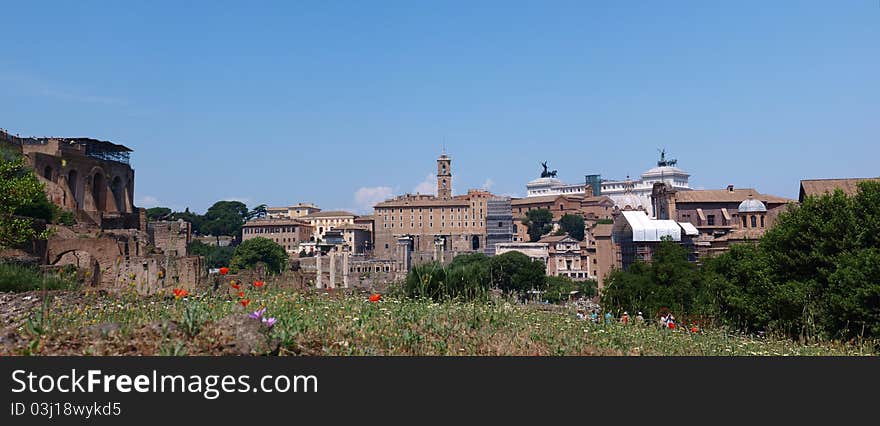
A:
624, 319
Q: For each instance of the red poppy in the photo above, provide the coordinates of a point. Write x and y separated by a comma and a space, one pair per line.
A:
694, 329
376, 297
235, 286
671, 325
224, 270
241, 295
258, 284
244, 302
180, 293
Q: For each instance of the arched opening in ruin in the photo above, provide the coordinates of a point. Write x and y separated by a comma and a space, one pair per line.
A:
99, 191
118, 194
71, 185
84, 262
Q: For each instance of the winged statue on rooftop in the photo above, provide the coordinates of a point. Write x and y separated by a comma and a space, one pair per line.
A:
546, 172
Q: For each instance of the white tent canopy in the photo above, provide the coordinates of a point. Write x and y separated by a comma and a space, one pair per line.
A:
646, 229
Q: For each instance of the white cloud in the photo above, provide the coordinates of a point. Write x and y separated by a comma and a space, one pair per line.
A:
367, 197
147, 201
488, 184
427, 186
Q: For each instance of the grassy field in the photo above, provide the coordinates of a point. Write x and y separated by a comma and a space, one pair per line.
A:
320, 323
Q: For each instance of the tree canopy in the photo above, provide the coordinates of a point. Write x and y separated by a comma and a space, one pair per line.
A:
21, 200
573, 225
158, 213
539, 222
515, 272
254, 251
225, 218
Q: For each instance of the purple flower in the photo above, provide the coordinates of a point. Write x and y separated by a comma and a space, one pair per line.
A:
258, 314
269, 322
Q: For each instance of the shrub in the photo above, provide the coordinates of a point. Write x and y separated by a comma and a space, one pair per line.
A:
215, 256
559, 289
466, 278
18, 278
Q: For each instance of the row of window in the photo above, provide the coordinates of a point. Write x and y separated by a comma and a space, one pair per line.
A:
269, 230
431, 209
412, 225
710, 220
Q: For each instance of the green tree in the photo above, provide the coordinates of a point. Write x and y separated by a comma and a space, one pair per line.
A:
573, 225
739, 291
514, 272
158, 213
20, 194
669, 281
258, 212
260, 250
225, 218
215, 256
852, 305
539, 222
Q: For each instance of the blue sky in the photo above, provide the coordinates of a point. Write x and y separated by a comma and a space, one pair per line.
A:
343, 103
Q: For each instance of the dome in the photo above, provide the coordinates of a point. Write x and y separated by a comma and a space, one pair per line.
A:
751, 205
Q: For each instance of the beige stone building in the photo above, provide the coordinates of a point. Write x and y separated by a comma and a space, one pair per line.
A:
296, 211
567, 257
289, 233
424, 227
322, 222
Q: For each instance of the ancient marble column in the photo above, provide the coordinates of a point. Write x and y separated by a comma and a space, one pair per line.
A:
332, 269
318, 267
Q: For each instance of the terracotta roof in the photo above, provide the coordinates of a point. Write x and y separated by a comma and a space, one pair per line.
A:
555, 238
813, 187
328, 214
726, 196
364, 218
597, 199
602, 230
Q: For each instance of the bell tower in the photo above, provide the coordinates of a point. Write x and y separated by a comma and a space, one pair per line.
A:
444, 176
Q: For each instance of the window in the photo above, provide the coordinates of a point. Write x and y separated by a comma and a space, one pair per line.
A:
762, 221
500, 224
386, 245
710, 220
754, 221
744, 221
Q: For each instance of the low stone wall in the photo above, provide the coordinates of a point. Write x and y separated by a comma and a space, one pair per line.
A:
158, 274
